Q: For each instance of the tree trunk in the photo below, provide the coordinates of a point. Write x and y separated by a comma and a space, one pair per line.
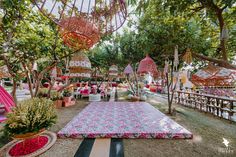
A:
14, 91
168, 94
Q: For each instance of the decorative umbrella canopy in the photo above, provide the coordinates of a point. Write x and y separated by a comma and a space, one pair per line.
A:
147, 65
214, 76
128, 70
79, 33
80, 66
108, 15
4, 73
113, 70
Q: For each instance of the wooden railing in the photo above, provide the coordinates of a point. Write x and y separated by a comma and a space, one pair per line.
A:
217, 105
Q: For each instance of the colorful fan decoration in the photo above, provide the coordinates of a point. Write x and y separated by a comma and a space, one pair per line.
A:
80, 66
188, 56
107, 15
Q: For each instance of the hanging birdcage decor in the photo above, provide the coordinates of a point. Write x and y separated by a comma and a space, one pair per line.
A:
107, 15
113, 71
79, 33
147, 65
80, 66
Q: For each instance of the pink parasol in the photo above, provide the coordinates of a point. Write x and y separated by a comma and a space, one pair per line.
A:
128, 70
147, 65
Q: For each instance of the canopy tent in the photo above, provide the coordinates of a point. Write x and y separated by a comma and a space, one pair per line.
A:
107, 15
80, 66
214, 76
147, 65
79, 33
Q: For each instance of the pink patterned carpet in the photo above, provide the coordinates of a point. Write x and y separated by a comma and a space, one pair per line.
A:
123, 120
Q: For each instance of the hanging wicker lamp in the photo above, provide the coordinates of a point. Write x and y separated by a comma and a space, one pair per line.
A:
107, 15
80, 66
113, 71
4, 73
79, 33
128, 70
147, 65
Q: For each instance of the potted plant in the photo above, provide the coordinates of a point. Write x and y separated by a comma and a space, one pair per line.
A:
67, 98
30, 117
56, 97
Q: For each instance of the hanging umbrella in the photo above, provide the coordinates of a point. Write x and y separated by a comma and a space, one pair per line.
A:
214, 76
79, 33
80, 66
128, 70
147, 65
113, 71
107, 15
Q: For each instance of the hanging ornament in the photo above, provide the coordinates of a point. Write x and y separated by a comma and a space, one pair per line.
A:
79, 33
166, 67
176, 58
224, 34
35, 66
188, 56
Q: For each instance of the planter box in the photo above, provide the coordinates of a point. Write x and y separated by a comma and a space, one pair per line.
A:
58, 103
94, 97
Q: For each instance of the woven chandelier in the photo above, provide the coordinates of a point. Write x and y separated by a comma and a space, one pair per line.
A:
79, 33
107, 15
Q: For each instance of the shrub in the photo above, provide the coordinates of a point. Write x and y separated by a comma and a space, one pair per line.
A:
31, 116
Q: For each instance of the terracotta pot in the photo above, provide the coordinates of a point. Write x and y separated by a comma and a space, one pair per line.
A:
66, 99
58, 103
28, 135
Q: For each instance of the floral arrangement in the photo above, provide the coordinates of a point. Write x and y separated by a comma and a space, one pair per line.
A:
67, 93
30, 116
55, 95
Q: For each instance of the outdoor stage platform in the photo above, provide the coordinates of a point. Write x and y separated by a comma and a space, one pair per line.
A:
123, 120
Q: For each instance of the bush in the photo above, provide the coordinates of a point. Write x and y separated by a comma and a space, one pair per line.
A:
30, 116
